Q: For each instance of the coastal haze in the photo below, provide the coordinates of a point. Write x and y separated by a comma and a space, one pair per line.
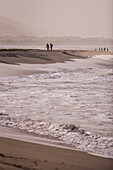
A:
54, 102
88, 18
66, 22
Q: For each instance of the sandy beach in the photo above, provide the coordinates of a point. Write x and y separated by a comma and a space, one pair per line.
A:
20, 154
23, 62
15, 154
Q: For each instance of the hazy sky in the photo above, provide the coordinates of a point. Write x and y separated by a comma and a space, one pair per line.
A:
86, 18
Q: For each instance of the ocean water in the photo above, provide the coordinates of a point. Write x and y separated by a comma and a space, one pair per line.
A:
74, 106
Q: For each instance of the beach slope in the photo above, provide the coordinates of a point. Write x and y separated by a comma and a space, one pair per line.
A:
15, 154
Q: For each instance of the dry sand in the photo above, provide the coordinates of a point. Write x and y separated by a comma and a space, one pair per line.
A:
23, 62
37, 56
45, 57
15, 154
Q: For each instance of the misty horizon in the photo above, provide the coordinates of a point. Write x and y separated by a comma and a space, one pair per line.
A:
48, 18
19, 29
15, 33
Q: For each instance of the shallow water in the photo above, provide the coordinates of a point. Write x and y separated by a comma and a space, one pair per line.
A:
50, 104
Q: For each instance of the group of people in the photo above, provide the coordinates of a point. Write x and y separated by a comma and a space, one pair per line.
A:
49, 46
102, 49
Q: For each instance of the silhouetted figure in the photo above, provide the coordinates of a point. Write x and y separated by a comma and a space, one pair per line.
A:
107, 49
51, 46
104, 49
47, 46
99, 49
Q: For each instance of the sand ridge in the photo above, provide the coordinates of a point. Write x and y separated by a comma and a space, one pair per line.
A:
24, 62
43, 57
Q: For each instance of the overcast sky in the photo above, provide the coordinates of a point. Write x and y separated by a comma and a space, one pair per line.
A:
85, 18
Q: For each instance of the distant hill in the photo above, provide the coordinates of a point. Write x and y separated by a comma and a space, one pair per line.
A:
11, 28
15, 33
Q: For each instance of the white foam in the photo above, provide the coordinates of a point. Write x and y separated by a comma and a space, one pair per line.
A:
104, 57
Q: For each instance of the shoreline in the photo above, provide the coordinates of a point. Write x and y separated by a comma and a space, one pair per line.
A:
24, 136
41, 139
16, 154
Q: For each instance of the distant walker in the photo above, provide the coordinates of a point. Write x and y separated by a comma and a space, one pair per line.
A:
47, 46
51, 46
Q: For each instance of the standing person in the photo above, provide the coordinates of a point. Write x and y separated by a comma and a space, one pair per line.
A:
47, 46
51, 46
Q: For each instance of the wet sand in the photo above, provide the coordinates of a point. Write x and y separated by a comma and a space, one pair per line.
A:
15, 154
18, 154
20, 150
